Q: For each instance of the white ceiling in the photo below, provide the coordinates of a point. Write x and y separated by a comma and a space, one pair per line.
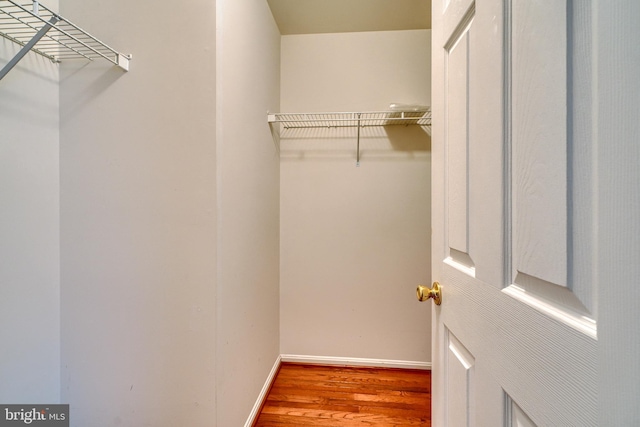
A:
339, 16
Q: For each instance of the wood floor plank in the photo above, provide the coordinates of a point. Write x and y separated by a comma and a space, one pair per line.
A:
335, 396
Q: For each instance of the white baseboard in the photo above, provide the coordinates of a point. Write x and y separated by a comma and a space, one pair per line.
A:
263, 393
325, 360
354, 361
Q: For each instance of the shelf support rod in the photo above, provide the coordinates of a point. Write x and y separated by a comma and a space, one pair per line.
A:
27, 47
358, 146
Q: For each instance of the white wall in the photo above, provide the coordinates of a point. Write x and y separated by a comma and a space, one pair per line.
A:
29, 230
151, 183
138, 218
355, 241
248, 56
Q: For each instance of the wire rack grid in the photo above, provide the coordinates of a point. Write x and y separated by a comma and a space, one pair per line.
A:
21, 21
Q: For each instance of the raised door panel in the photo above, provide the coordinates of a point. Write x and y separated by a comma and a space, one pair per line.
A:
547, 112
539, 134
460, 380
457, 146
515, 416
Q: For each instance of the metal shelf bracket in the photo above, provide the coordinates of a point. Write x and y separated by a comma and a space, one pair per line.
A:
358, 144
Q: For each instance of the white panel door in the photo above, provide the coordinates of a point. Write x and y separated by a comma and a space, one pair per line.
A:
513, 225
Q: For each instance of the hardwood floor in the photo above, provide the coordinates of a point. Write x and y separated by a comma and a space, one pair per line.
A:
313, 395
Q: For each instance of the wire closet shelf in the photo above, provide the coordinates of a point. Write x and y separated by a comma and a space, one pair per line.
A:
420, 117
351, 119
37, 28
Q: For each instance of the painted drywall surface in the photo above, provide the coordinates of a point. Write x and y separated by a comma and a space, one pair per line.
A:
355, 71
248, 52
138, 218
29, 230
355, 241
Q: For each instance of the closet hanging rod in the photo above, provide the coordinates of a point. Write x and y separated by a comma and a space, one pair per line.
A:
36, 28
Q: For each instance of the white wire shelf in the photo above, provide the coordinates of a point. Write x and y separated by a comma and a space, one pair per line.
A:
420, 117
37, 28
351, 119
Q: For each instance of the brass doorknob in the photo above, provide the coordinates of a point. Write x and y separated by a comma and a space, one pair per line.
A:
423, 293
